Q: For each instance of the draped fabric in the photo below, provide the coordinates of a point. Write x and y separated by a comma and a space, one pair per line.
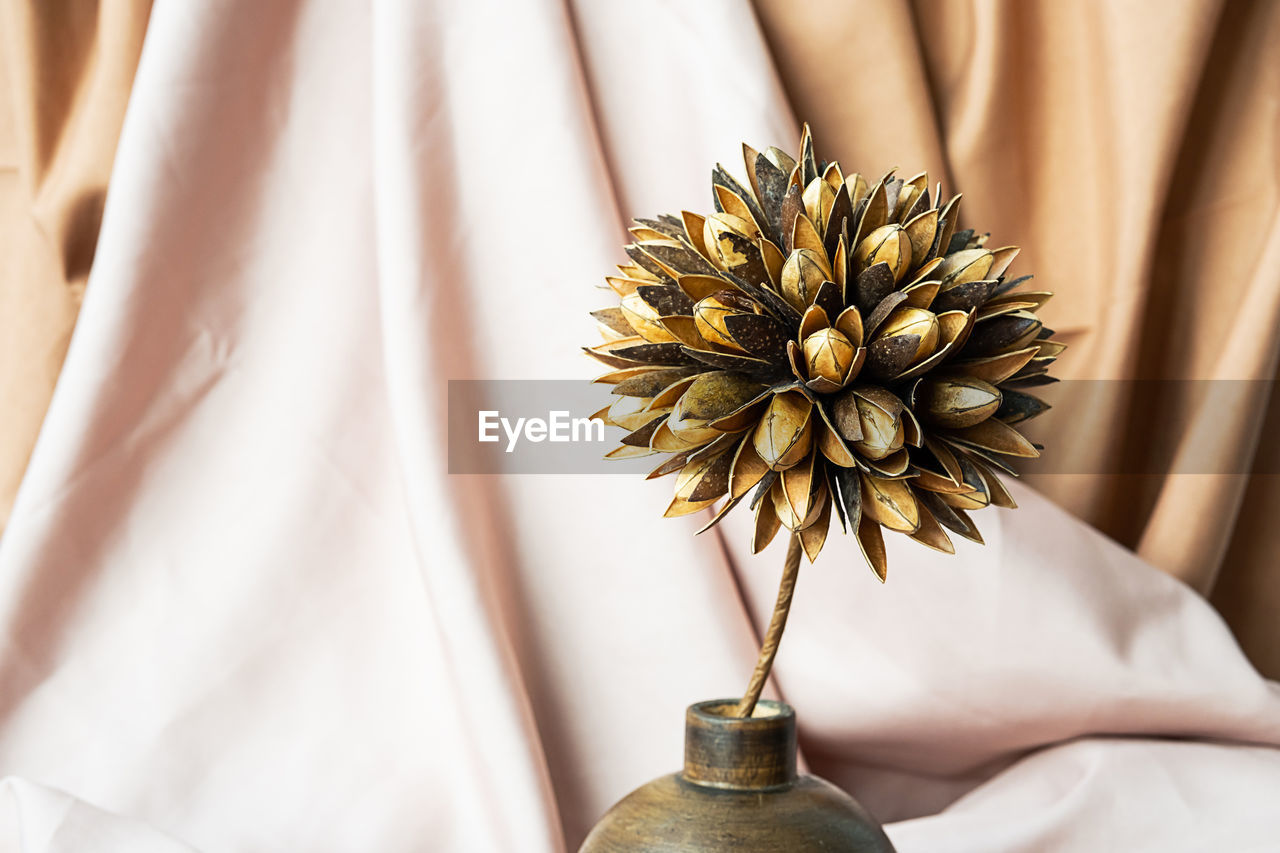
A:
246, 607
66, 67
1131, 149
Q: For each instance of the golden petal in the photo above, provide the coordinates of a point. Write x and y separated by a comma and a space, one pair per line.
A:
840, 264
849, 324
743, 417
965, 266
679, 506
805, 236
874, 216
613, 323
637, 272
737, 207
818, 198
921, 295
892, 466
684, 329
814, 319
613, 377
628, 452
920, 231
833, 446
947, 222
932, 534
997, 437
627, 406
670, 394
925, 273
766, 527
644, 319
665, 441
932, 482
999, 494
857, 188
781, 159
871, 541
747, 471
773, 261
891, 503
694, 229
832, 176
946, 458
814, 536
644, 232
798, 491
699, 287
709, 397
623, 286
1003, 257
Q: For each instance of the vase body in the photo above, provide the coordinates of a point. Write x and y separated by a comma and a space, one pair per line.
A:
739, 791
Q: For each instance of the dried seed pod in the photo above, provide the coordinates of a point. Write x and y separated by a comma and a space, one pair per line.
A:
965, 266
880, 430
956, 402
785, 432
911, 321
829, 354
888, 244
709, 316
802, 275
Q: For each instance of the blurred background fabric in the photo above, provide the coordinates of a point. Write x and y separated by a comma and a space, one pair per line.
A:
1130, 149
244, 605
65, 75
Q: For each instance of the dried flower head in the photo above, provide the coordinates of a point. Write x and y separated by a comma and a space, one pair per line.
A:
820, 345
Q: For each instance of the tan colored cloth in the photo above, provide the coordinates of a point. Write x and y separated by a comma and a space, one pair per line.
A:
66, 67
1132, 149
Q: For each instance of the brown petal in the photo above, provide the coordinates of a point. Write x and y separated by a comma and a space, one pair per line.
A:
932, 534
891, 503
956, 402
766, 527
871, 541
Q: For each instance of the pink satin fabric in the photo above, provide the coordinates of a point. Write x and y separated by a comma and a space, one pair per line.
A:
246, 608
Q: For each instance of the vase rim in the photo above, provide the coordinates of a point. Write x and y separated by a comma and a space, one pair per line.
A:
720, 711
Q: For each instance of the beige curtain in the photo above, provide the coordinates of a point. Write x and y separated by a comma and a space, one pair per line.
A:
1133, 150
66, 67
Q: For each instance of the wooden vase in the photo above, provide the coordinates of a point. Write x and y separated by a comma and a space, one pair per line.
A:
738, 791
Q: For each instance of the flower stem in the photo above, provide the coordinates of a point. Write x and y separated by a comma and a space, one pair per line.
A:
769, 648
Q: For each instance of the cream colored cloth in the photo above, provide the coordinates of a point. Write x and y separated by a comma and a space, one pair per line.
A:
1133, 150
245, 606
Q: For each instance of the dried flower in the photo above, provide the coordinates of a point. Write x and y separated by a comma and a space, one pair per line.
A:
821, 345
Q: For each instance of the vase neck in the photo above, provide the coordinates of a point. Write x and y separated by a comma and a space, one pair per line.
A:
751, 753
